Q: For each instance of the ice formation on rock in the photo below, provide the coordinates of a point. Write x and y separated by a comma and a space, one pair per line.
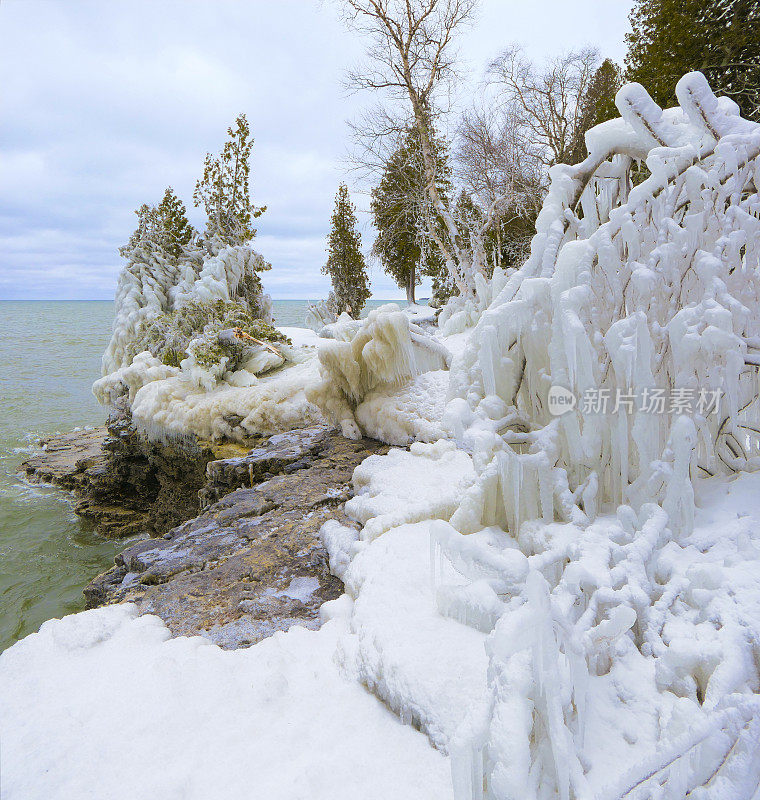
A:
628, 290
386, 351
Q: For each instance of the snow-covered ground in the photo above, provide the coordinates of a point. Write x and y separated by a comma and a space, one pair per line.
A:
104, 703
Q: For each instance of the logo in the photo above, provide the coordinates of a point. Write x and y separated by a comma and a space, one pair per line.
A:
561, 401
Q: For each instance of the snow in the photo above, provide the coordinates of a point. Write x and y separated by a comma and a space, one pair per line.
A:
103, 703
423, 483
410, 413
301, 337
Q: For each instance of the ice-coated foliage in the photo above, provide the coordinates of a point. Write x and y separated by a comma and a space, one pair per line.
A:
627, 290
384, 351
150, 288
167, 336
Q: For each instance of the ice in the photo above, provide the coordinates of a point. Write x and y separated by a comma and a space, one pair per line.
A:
386, 495
376, 361
150, 285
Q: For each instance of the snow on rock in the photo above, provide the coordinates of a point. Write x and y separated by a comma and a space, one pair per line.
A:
429, 668
104, 704
301, 337
423, 483
381, 354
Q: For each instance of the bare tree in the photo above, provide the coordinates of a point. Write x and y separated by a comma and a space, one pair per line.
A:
411, 58
494, 167
545, 104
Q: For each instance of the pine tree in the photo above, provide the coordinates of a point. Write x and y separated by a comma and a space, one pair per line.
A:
720, 38
345, 262
399, 207
597, 105
224, 190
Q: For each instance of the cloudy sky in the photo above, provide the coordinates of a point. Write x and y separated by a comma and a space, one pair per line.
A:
106, 102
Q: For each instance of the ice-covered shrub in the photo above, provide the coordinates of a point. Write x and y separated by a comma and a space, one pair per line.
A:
384, 351
169, 336
150, 286
629, 291
321, 313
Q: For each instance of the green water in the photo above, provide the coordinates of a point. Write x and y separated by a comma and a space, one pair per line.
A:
49, 357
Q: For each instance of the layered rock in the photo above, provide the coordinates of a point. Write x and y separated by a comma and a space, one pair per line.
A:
252, 562
125, 484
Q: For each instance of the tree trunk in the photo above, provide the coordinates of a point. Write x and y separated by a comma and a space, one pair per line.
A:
410, 286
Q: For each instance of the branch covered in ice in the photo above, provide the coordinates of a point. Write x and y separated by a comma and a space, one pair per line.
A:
631, 292
370, 358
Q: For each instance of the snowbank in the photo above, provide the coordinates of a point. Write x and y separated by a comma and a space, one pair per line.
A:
104, 704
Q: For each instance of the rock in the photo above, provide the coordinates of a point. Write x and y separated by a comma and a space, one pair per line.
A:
125, 484
282, 452
65, 459
251, 563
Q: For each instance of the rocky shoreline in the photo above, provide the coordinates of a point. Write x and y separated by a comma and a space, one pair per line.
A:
231, 549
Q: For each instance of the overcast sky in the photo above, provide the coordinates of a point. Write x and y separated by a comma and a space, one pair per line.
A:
105, 103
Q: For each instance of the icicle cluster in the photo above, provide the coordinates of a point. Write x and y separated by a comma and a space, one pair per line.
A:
629, 289
384, 351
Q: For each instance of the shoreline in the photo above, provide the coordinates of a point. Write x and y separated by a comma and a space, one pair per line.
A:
249, 561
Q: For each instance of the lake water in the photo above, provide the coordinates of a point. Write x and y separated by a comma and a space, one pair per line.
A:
49, 357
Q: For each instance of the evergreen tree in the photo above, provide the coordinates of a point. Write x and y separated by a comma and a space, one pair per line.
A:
162, 231
597, 105
178, 233
345, 262
224, 190
720, 38
400, 207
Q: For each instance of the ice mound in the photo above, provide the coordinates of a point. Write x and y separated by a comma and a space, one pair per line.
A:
164, 409
382, 354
